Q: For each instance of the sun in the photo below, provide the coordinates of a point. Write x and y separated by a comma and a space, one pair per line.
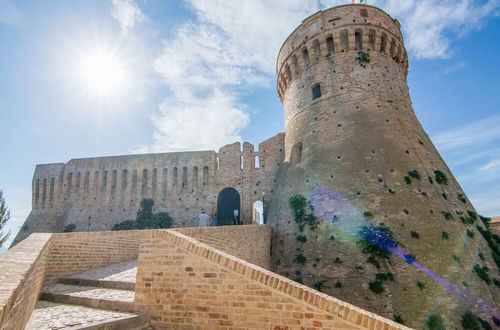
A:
103, 72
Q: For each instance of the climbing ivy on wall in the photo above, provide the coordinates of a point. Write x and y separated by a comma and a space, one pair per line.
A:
301, 214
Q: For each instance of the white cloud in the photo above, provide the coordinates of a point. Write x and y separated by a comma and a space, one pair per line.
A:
232, 44
430, 25
472, 150
491, 164
208, 61
127, 13
454, 68
10, 14
198, 123
479, 132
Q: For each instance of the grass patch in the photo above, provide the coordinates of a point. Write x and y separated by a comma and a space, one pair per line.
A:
440, 177
447, 215
414, 174
434, 322
482, 272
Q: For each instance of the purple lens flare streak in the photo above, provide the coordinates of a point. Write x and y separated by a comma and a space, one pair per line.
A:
334, 208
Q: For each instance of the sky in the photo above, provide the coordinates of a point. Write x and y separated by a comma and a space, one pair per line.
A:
195, 75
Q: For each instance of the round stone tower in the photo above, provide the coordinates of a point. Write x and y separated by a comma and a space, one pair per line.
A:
350, 127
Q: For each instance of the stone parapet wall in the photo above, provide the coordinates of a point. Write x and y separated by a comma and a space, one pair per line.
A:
183, 283
96, 193
76, 252
248, 242
22, 271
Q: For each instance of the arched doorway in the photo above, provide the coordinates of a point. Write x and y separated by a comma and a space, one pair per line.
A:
228, 204
258, 212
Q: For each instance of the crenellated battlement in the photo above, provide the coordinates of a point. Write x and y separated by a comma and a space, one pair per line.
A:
339, 31
96, 193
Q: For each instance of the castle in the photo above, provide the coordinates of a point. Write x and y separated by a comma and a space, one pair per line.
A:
350, 128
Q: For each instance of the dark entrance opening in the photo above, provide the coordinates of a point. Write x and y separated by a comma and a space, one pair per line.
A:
228, 204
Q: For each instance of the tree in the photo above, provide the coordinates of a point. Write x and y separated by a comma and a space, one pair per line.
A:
4, 217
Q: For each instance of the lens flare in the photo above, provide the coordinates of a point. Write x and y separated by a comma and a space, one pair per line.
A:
335, 209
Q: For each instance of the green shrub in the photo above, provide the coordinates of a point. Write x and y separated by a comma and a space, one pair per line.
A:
414, 174
372, 260
338, 285
69, 228
440, 177
445, 235
300, 259
331, 238
337, 260
469, 321
320, 285
376, 286
363, 57
482, 272
484, 324
383, 277
481, 256
434, 322
472, 214
302, 217
461, 198
447, 215
457, 259
486, 221
470, 233
421, 285
467, 220
301, 238
397, 318
407, 179
124, 225
145, 219
368, 214
431, 181
444, 196
374, 236
493, 243
414, 234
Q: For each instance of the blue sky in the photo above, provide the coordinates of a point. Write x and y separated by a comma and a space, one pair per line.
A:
200, 74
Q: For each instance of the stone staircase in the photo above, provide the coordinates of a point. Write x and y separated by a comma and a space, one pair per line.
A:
100, 298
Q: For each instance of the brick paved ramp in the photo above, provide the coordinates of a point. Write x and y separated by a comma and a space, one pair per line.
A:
100, 298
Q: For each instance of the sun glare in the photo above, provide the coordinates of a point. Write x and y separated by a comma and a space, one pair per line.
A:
103, 72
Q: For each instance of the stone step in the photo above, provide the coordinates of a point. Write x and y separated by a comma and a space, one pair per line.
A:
53, 316
90, 296
109, 284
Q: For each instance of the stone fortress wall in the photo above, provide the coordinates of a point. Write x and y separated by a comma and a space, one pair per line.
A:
96, 193
350, 127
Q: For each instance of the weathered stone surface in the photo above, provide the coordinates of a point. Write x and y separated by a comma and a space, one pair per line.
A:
51, 316
96, 193
359, 140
